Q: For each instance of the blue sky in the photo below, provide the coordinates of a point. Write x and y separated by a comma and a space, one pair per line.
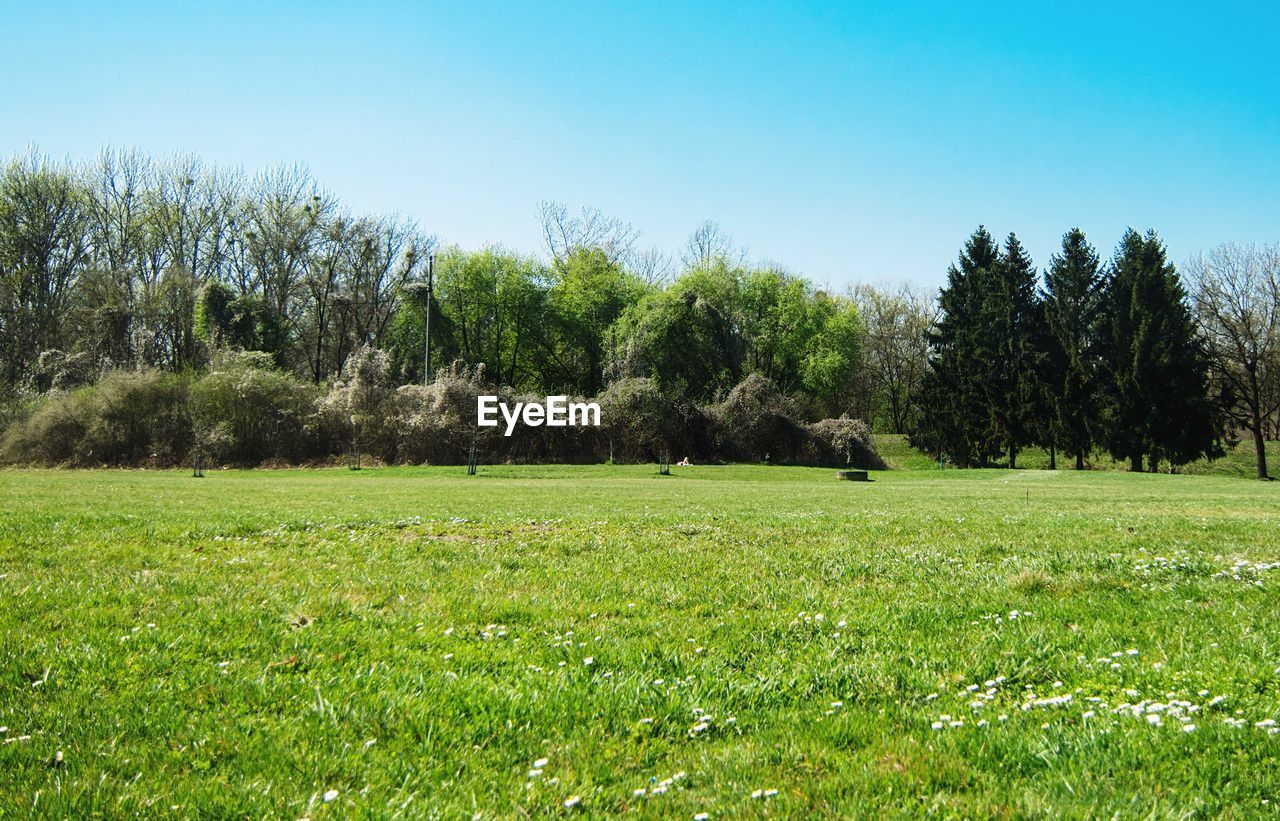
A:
850, 142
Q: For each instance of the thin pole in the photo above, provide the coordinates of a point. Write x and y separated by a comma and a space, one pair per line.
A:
426, 374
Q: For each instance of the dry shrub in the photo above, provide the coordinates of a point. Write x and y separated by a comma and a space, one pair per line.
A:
640, 423
127, 418
842, 442
259, 412
756, 422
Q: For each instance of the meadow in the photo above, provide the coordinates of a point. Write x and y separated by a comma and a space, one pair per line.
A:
735, 641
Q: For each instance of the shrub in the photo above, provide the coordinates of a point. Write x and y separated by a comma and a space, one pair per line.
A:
842, 442
640, 422
436, 423
755, 421
128, 417
357, 403
261, 413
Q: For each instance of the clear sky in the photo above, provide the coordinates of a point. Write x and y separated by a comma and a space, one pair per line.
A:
849, 142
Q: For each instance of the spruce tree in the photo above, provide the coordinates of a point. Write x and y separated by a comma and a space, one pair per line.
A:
1008, 349
1157, 371
1073, 309
953, 419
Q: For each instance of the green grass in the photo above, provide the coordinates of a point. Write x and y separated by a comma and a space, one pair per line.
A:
1237, 461
416, 639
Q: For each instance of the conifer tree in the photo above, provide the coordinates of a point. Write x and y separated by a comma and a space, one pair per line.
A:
1008, 348
1072, 308
953, 419
1157, 370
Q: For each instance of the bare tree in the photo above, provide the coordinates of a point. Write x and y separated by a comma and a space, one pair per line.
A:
285, 219
897, 355
1237, 297
707, 244
565, 233
652, 266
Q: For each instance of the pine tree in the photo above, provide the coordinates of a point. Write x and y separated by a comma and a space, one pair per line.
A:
1009, 348
953, 420
1157, 371
1073, 309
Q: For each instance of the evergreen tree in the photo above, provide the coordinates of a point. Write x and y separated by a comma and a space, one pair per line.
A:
1008, 348
1072, 307
1157, 370
953, 419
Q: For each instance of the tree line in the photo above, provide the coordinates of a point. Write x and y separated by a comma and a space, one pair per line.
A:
1115, 355
128, 263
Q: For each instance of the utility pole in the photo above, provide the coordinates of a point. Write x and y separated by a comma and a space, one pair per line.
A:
426, 334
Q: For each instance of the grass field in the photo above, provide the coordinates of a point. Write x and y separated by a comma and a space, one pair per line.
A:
737, 641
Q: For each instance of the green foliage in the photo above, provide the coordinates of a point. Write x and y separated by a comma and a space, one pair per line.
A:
954, 418
1157, 386
1073, 302
1009, 337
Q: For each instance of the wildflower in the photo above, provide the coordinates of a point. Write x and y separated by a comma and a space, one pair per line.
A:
330, 796
540, 763
589, 660
1188, 728
572, 801
702, 816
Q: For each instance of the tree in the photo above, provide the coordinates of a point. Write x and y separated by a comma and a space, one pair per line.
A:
587, 295
707, 245
954, 419
494, 302
1157, 369
1073, 308
897, 352
44, 212
1009, 333
565, 233
1237, 298
682, 339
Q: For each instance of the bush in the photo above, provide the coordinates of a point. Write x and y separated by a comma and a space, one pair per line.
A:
127, 418
436, 423
640, 422
755, 421
258, 413
842, 442
357, 403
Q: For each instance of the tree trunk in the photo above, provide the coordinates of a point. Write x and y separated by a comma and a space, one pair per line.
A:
1135, 463
1154, 462
1079, 460
1053, 458
1013, 457
1259, 447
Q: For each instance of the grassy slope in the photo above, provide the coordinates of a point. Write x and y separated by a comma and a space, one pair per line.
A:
247, 642
1239, 461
